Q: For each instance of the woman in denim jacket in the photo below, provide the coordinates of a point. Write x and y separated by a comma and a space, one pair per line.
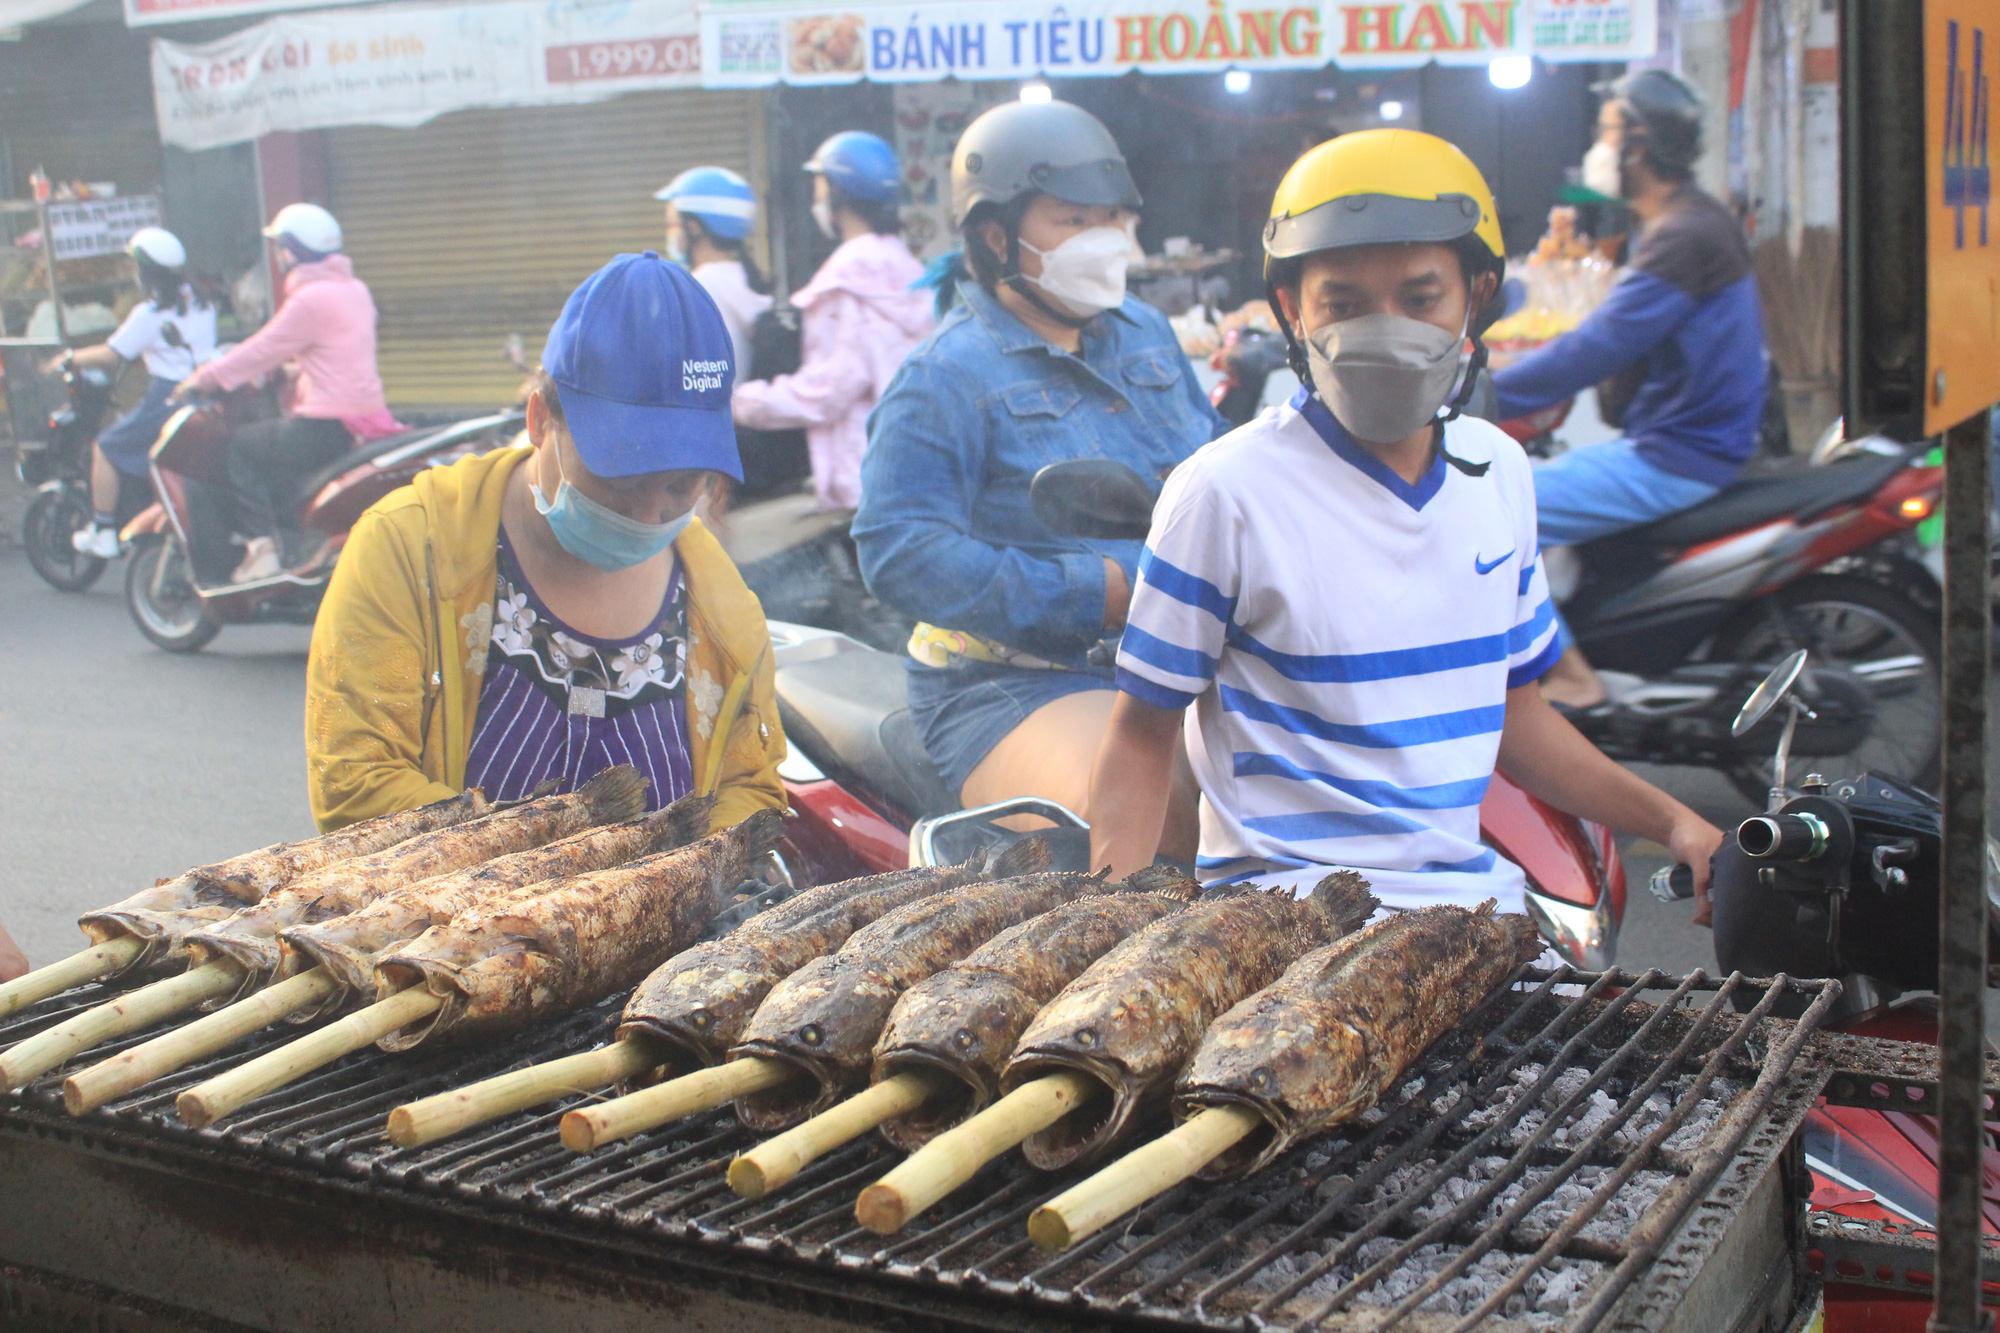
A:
1044, 359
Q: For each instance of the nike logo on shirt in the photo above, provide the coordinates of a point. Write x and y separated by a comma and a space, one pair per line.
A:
1487, 566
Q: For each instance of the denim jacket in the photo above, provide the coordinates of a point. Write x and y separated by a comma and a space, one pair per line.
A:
945, 531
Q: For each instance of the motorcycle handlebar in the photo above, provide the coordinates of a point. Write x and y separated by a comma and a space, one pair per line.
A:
1782, 837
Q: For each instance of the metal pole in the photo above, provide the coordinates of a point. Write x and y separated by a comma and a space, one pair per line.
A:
40, 182
1962, 894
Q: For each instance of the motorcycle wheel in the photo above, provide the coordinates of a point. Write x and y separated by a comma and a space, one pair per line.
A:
161, 597
45, 533
1880, 638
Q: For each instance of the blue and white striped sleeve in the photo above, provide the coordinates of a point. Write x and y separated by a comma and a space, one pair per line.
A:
1536, 640
1185, 595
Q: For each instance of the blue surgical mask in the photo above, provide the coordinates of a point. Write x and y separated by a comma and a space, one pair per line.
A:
600, 536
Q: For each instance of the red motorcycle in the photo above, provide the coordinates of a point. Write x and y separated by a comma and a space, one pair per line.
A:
177, 582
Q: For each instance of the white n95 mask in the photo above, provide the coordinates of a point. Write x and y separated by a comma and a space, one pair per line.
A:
1086, 273
1603, 171
1383, 376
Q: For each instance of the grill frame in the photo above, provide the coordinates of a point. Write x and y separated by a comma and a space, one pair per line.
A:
326, 1129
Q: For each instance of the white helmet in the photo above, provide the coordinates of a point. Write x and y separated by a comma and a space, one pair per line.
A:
158, 246
308, 224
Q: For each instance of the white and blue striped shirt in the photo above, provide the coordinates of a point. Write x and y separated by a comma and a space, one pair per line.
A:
1348, 640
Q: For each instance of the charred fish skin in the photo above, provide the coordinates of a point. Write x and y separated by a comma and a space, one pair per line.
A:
1138, 1013
250, 937
1323, 1042
163, 915
549, 948
699, 1002
964, 1021
823, 1019
348, 946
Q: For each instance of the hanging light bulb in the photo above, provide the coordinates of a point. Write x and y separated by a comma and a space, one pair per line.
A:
1037, 91
1390, 111
1236, 81
1511, 71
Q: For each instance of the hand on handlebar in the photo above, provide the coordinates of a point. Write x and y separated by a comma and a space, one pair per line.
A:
1693, 843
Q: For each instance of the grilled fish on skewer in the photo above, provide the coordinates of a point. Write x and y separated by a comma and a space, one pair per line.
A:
1322, 1043
147, 927
552, 947
1135, 1017
939, 1057
695, 1004
250, 937
823, 1020
1311, 1050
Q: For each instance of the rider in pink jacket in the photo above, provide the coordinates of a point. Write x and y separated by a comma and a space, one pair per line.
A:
862, 317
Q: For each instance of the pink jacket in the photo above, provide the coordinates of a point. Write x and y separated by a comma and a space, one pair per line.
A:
861, 320
326, 323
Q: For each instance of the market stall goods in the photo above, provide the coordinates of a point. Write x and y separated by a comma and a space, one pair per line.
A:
148, 926
249, 938
339, 956
1135, 1017
821, 1022
939, 1056
1314, 1049
694, 1006
539, 951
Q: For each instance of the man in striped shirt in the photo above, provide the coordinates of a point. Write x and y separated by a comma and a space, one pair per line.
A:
1347, 590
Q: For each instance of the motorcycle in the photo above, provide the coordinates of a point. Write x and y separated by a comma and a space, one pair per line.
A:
56, 463
1840, 878
868, 799
177, 584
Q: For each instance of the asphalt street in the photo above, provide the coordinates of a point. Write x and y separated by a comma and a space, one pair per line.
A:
121, 764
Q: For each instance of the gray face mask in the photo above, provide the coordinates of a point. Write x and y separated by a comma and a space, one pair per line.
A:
1383, 376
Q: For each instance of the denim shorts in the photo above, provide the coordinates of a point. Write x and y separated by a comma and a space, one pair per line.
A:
962, 712
128, 441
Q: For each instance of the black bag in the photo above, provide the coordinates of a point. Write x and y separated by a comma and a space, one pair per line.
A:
773, 460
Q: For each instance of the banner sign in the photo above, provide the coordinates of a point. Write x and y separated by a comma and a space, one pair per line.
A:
402, 65
141, 13
99, 226
746, 45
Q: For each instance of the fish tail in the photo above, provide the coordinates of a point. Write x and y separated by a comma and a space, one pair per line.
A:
1031, 855
615, 795
1169, 880
1522, 935
682, 822
1344, 898
760, 833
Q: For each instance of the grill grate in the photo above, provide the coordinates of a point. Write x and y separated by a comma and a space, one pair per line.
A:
1522, 1175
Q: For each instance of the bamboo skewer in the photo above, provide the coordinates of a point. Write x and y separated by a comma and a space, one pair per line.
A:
206, 1103
772, 1164
88, 1089
128, 1013
75, 970
955, 1156
1141, 1174
433, 1118
594, 1126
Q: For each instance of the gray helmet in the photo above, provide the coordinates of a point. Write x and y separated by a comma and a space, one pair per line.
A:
1053, 148
1669, 111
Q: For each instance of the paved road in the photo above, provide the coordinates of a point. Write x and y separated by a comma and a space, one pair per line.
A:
120, 763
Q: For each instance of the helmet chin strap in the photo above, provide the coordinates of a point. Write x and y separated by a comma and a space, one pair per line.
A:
1029, 292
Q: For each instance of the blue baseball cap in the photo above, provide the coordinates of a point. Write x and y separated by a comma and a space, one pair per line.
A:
644, 365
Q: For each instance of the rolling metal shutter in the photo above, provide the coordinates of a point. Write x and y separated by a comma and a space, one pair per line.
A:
481, 223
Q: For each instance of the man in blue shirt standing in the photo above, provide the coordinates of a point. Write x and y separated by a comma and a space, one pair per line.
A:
1676, 352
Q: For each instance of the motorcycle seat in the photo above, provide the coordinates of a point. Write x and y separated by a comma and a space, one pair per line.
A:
1799, 495
854, 706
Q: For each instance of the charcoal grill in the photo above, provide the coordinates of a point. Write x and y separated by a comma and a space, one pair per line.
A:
1587, 1151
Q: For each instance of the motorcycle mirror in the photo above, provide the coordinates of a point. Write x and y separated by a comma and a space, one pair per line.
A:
1093, 497
1767, 694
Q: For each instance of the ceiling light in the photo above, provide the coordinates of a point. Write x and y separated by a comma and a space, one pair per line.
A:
1390, 111
1236, 81
1511, 71
1037, 92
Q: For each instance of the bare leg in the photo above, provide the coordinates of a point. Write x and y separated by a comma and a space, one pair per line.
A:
1050, 754
103, 483
1572, 681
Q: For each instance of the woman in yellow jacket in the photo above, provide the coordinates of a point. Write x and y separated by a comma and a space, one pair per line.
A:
546, 612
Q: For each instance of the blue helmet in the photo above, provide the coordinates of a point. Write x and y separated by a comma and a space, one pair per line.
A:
723, 200
860, 165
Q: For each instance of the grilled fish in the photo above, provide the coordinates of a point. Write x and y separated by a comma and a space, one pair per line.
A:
699, 1002
1135, 1016
162, 915
250, 936
551, 947
964, 1021
349, 946
1344, 1022
824, 1018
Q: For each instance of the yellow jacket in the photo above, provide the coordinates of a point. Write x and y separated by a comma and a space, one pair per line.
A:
399, 652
